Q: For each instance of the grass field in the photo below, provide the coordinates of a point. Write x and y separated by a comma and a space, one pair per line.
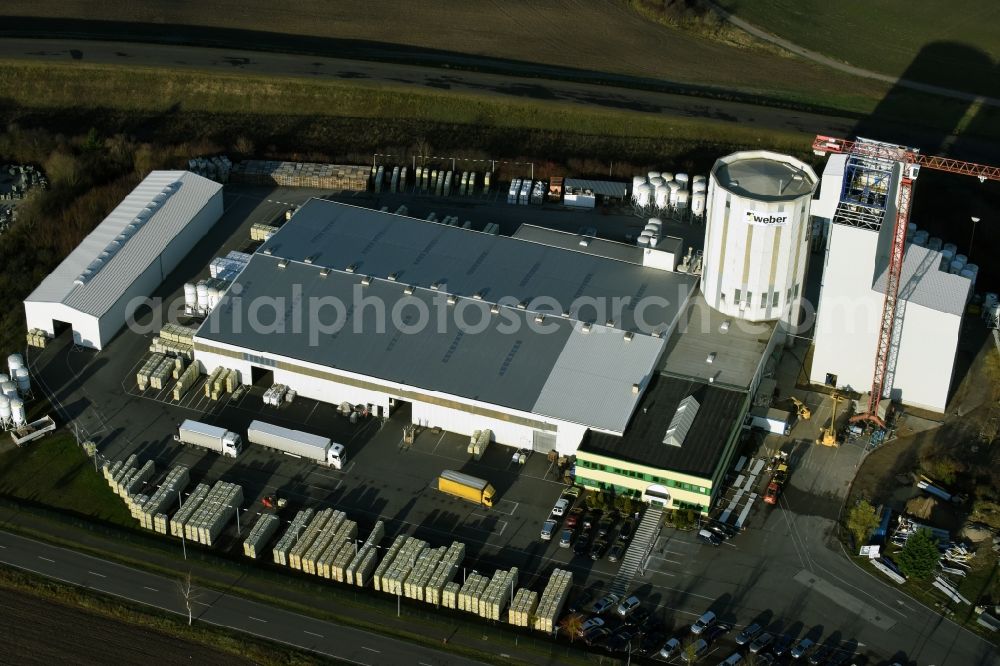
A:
54, 471
954, 43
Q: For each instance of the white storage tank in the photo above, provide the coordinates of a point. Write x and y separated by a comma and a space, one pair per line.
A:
14, 361
17, 413
674, 188
911, 229
757, 234
644, 195
956, 267
966, 273
662, 197
653, 174
700, 186
22, 380
666, 176
950, 247
9, 389
657, 181
682, 179
681, 204
698, 204
920, 238
643, 241
5, 413
202, 291
4, 378
190, 295
934, 243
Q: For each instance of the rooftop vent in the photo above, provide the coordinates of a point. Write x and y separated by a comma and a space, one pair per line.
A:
635, 389
681, 423
324, 272
539, 318
308, 260
724, 326
586, 327
523, 305
436, 286
393, 276
408, 289
584, 242
610, 323
494, 308
565, 314
479, 294
352, 268
282, 263
366, 280
629, 335
452, 299
657, 333
267, 251
710, 358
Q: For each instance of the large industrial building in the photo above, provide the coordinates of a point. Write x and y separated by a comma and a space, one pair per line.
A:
126, 257
858, 203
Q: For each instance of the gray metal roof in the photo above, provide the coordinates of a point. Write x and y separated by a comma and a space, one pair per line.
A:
172, 209
922, 282
467, 262
764, 175
569, 241
604, 188
738, 350
564, 372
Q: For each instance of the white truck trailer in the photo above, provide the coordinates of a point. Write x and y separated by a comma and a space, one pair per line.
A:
209, 437
298, 444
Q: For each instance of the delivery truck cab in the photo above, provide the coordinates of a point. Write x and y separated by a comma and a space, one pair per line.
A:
232, 444
336, 456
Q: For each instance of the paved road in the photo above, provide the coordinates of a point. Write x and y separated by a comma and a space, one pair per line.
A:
332, 640
826, 61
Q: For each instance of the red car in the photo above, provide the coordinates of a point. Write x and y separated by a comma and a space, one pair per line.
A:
772, 492
573, 517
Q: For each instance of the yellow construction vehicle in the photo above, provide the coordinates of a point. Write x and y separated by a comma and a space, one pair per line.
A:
828, 436
804, 412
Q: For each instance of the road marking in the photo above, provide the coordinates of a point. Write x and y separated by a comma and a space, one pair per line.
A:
256, 618
3, 546
99, 575
423, 663
46, 559
311, 633
200, 603
151, 589
370, 649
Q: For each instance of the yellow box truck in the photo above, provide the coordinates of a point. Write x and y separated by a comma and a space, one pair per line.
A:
467, 487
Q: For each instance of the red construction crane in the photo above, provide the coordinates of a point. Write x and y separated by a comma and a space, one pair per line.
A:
912, 161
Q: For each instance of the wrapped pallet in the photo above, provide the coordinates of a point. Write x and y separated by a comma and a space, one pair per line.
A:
291, 536
265, 528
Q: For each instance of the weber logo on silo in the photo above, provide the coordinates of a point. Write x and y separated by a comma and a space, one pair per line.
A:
766, 219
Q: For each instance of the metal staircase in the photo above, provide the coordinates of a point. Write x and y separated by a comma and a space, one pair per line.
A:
642, 542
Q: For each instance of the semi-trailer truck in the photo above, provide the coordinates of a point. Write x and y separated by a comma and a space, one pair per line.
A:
209, 437
466, 487
298, 444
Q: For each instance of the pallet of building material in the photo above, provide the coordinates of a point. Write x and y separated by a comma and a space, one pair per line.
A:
168, 491
133, 502
345, 540
392, 580
211, 380
323, 539
551, 602
445, 571
344, 557
232, 380
161, 523
324, 562
141, 476
291, 535
125, 470
36, 337
449, 595
423, 569
158, 377
261, 533
311, 533
147, 368
387, 560
187, 379
218, 508
187, 508
471, 591
523, 608
362, 574
109, 469
498, 595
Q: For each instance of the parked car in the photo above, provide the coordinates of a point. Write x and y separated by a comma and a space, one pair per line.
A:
605, 525
566, 538
628, 527
617, 551
573, 517
623, 640
718, 531
703, 623
725, 528
582, 543
626, 607
820, 655
651, 642
699, 648
639, 617
707, 537
605, 603
802, 647
596, 636
732, 659
591, 518
748, 634
598, 550
548, 529
714, 632
595, 621
670, 649
580, 602
571, 493
840, 658
761, 642
560, 508
783, 645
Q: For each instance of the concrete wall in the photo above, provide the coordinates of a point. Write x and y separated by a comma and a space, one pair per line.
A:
86, 328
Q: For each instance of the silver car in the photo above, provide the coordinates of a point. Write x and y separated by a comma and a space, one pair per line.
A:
703, 623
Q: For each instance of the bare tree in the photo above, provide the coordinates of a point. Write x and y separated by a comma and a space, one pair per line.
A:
189, 593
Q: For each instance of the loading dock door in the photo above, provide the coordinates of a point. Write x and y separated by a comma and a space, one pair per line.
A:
543, 442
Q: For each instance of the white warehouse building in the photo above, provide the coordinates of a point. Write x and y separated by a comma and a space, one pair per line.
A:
470, 330
126, 257
757, 235
858, 202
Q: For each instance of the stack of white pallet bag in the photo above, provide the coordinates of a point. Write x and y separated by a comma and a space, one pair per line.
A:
402, 565
387, 560
443, 574
188, 507
136, 480
127, 469
520, 612
343, 551
175, 481
310, 535
322, 541
186, 380
159, 377
472, 592
147, 369
449, 595
355, 572
498, 594
265, 528
553, 598
218, 508
423, 569
291, 536
261, 232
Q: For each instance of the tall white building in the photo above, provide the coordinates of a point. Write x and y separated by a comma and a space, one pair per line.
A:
757, 235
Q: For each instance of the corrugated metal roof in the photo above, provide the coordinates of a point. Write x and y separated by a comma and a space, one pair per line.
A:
164, 221
922, 282
604, 188
569, 241
591, 381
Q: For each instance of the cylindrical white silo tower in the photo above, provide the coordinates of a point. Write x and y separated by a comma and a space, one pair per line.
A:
757, 235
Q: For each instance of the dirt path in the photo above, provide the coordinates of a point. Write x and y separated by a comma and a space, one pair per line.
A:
43, 633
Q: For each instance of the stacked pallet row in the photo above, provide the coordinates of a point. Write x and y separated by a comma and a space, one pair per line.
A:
151, 512
161, 374
36, 337
402, 565
182, 335
261, 232
334, 519
444, 572
523, 607
262, 531
218, 508
449, 595
130, 483
291, 536
301, 174
187, 380
167, 348
183, 514
423, 569
553, 598
222, 380
148, 368
387, 560
498, 594
471, 592
118, 471
478, 442
341, 552
311, 533
362, 565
